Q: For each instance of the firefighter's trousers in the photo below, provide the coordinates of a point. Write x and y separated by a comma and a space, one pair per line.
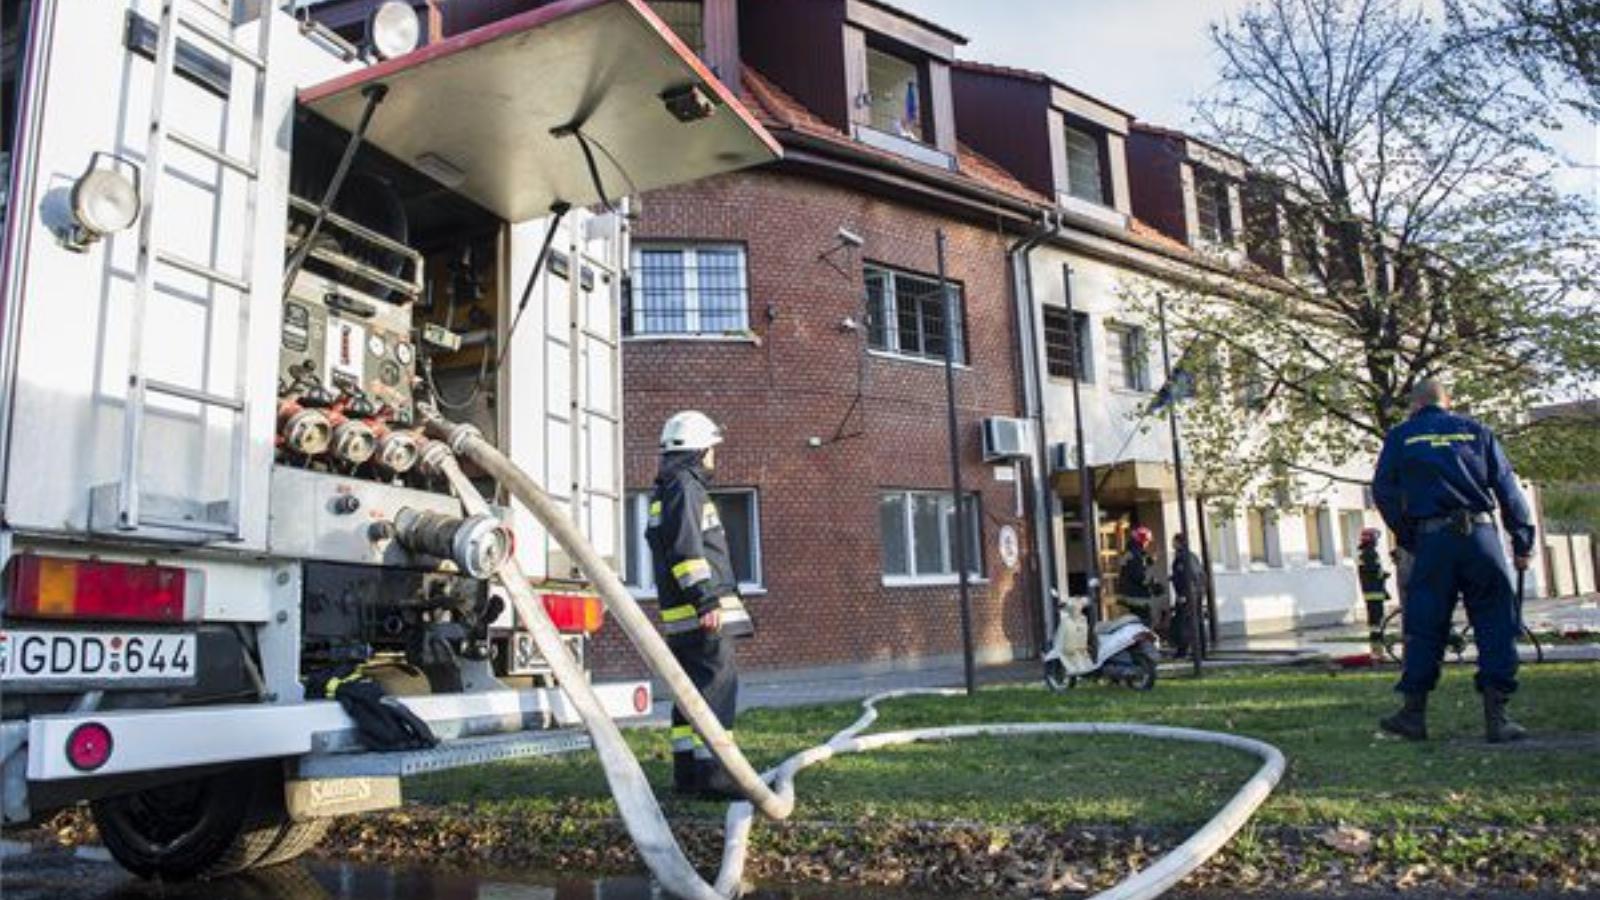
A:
708, 661
1473, 565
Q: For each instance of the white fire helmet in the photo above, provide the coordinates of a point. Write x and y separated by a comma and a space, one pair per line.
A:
690, 430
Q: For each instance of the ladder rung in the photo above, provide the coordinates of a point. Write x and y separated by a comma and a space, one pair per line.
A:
206, 272
248, 57
209, 152
178, 390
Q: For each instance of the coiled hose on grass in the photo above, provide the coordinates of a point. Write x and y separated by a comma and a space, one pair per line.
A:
773, 791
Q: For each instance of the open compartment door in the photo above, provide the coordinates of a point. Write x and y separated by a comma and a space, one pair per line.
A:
489, 112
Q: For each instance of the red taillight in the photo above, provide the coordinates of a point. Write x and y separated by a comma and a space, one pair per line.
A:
48, 587
89, 746
641, 699
574, 612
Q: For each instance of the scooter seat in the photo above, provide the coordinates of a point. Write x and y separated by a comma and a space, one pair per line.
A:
1118, 622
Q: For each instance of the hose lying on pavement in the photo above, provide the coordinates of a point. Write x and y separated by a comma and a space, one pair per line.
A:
772, 792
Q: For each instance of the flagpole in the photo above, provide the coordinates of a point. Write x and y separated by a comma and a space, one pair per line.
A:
1177, 475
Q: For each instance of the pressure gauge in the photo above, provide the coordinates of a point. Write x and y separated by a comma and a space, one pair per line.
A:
403, 352
375, 345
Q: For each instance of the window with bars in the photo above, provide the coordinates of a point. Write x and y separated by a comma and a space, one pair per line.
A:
1129, 357
1211, 206
907, 315
740, 512
1085, 179
686, 18
688, 289
919, 535
1060, 361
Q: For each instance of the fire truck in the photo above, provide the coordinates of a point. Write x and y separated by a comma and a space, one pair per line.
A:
242, 253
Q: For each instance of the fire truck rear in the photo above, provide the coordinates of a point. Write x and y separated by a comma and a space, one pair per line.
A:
242, 252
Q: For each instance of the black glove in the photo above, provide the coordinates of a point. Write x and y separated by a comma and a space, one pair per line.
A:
383, 722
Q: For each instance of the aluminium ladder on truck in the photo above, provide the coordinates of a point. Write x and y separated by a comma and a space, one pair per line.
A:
124, 506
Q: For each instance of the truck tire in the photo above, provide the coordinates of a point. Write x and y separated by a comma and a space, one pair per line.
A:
212, 826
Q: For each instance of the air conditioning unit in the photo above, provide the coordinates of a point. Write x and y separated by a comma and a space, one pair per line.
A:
1005, 438
1063, 457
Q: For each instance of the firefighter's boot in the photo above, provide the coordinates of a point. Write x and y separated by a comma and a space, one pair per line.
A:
715, 784
685, 774
1497, 728
1411, 722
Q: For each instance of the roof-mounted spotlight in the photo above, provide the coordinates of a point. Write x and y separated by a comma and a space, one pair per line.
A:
393, 29
689, 103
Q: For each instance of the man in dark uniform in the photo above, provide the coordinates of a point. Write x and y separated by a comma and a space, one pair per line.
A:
1438, 481
1188, 586
698, 592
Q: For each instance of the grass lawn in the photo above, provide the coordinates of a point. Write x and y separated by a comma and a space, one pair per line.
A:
1339, 769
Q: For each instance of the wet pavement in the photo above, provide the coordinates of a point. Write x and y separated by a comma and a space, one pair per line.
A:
87, 873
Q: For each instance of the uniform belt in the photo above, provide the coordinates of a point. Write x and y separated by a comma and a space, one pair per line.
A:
1439, 523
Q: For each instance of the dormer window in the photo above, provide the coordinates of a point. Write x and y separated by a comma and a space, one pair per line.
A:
896, 95
1085, 170
1212, 208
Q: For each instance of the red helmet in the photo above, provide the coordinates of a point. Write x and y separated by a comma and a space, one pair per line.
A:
1369, 535
1143, 536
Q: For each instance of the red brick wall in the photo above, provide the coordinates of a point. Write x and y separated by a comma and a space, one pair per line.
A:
822, 564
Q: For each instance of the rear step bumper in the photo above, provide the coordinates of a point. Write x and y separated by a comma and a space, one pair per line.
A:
157, 739
448, 755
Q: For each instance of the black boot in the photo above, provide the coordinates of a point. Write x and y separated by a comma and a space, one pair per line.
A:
685, 774
1411, 722
1497, 729
715, 784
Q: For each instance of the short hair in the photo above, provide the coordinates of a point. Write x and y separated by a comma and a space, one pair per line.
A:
1429, 392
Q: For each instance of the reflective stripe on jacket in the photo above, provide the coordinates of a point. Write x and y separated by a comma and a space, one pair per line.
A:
689, 549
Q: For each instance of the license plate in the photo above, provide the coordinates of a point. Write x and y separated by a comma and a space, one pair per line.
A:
41, 658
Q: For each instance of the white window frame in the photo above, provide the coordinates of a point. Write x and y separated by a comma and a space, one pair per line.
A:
639, 501
1322, 519
1118, 356
690, 251
1225, 541
1096, 138
1270, 539
1351, 524
891, 316
975, 575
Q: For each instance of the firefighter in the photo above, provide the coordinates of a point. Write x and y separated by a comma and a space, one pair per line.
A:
700, 608
1438, 480
1188, 586
1369, 568
1135, 586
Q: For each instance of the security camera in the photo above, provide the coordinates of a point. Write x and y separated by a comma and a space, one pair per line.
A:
849, 238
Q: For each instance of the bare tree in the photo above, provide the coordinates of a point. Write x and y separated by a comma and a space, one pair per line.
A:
1555, 44
1404, 175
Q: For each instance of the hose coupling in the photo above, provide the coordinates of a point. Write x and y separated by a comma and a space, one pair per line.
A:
478, 545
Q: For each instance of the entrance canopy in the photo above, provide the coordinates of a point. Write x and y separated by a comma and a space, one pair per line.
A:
490, 112
1129, 481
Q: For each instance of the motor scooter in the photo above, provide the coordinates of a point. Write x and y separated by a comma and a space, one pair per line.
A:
1126, 649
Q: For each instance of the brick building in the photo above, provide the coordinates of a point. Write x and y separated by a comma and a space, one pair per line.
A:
823, 360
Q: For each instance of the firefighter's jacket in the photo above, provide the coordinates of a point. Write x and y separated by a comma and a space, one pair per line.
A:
1370, 570
689, 548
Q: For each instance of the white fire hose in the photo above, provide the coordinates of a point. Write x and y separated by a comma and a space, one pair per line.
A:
772, 792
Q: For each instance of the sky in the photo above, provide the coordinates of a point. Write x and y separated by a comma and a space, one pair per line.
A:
1152, 58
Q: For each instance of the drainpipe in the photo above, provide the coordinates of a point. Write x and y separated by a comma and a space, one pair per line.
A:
1029, 347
